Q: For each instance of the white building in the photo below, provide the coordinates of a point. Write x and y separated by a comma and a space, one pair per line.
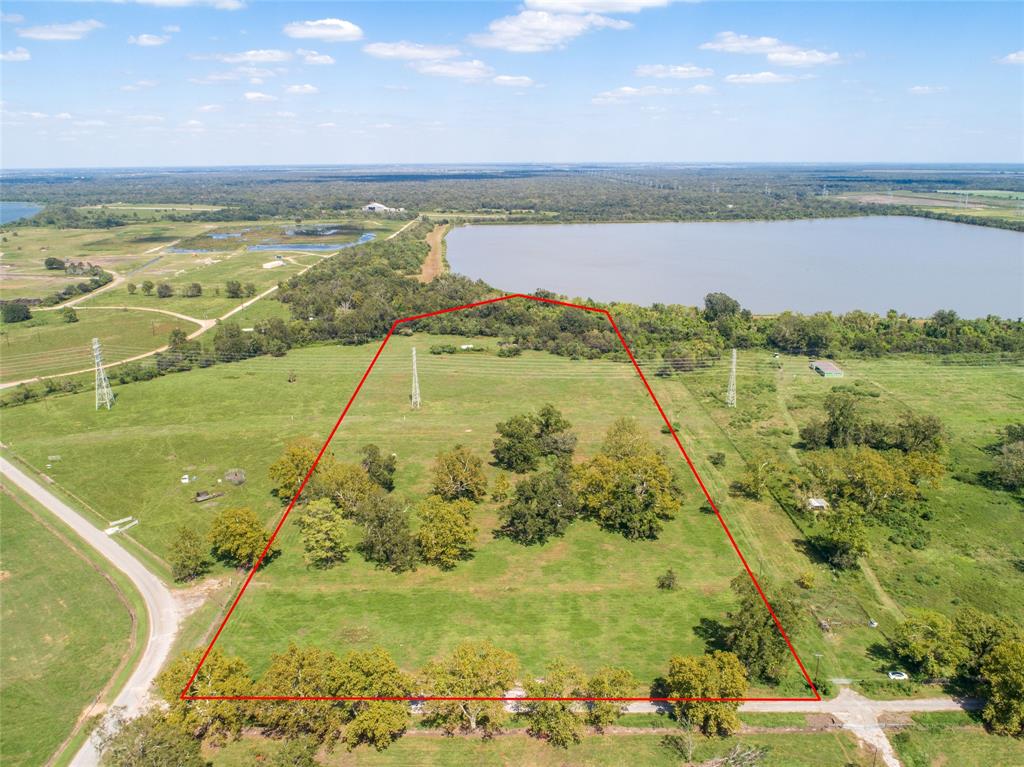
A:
378, 207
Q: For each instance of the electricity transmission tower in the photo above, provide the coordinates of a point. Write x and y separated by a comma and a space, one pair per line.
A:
104, 395
730, 395
414, 400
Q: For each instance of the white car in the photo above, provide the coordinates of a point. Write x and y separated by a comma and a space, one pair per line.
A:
898, 675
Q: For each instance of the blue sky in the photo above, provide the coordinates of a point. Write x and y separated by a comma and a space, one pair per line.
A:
223, 82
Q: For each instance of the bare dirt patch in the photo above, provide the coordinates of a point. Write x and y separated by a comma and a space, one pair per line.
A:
434, 264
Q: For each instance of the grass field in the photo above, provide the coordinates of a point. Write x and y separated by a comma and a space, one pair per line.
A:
573, 603
985, 203
46, 345
121, 249
975, 542
66, 629
948, 739
207, 421
836, 749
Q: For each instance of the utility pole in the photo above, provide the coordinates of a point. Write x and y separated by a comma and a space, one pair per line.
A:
730, 396
104, 395
414, 400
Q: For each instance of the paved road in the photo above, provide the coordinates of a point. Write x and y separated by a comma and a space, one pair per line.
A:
160, 604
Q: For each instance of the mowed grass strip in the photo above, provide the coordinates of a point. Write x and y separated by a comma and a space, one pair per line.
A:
833, 749
47, 345
65, 630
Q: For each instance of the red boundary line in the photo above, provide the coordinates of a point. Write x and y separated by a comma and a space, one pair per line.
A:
344, 412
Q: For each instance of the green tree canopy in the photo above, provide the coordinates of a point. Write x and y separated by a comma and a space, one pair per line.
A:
305, 672
928, 644
1003, 671
555, 720
149, 741
717, 675
380, 468
608, 682
542, 507
374, 674
387, 540
238, 537
446, 532
219, 675
751, 633
189, 555
324, 536
459, 474
473, 669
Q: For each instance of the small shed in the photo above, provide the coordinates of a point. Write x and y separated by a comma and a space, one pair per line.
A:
817, 504
235, 476
826, 368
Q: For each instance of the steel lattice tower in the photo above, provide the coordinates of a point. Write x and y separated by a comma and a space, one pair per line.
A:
414, 400
730, 395
104, 394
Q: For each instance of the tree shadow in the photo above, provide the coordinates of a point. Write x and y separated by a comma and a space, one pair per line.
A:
712, 632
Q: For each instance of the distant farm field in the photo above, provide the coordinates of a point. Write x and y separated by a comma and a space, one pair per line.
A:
47, 345
65, 631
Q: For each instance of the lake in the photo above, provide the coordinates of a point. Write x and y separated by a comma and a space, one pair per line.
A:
875, 263
12, 211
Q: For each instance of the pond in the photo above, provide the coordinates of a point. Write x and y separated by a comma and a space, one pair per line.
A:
315, 246
13, 211
875, 263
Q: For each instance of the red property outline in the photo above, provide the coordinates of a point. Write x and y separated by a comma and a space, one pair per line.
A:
184, 693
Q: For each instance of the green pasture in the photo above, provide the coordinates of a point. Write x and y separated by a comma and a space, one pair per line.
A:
832, 749
65, 631
47, 345
948, 739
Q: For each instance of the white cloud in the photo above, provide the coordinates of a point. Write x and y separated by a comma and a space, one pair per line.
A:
595, 6
628, 92
513, 81
139, 85
259, 56
326, 125
215, 78
257, 96
674, 71
463, 70
221, 5
172, 28
926, 90
760, 78
147, 119
701, 90
312, 57
534, 31
285, 115
11, 18
91, 123
63, 116
74, 30
407, 51
18, 54
302, 90
211, 108
1017, 57
328, 30
148, 41
771, 48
